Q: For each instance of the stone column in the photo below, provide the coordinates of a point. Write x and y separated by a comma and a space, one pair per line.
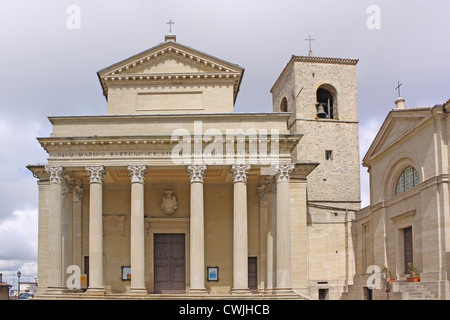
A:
240, 236
268, 234
67, 185
76, 210
55, 228
96, 278
283, 230
263, 207
197, 232
137, 237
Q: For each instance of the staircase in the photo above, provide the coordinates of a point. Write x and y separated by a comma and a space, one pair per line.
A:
400, 290
412, 291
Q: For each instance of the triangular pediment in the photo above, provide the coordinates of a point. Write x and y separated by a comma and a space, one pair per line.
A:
171, 61
173, 58
398, 125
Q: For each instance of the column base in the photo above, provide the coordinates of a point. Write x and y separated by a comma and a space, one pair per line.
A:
55, 290
245, 291
268, 291
197, 291
96, 290
283, 291
138, 291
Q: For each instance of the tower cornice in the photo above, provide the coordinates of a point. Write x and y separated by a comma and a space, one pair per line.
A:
312, 59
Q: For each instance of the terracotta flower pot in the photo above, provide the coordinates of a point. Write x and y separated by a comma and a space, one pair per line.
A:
413, 279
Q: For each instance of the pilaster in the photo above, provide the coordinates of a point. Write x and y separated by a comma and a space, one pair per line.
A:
77, 195
67, 185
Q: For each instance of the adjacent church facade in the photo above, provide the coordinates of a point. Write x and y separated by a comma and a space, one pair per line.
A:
173, 194
405, 229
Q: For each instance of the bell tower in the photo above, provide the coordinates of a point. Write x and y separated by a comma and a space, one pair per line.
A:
321, 96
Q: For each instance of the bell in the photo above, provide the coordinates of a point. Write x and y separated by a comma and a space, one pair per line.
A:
321, 111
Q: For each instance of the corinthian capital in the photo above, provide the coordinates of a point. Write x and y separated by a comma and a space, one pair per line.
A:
55, 173
283, 171
95, 173
266, 186
78, 193
67, 184
239, 172
196, 172
262, 192
137, 173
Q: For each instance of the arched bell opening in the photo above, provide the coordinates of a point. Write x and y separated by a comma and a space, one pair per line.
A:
326, 102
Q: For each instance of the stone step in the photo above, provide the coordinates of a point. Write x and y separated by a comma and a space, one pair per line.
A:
414, 291
109, 296
418, 294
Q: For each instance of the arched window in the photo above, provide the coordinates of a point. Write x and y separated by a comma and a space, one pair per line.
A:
326, 102
407, 180
284, 105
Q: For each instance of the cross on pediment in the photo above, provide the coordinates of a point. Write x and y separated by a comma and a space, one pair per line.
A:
398, 88
170, 23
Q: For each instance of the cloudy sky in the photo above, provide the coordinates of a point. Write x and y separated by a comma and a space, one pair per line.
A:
50, 55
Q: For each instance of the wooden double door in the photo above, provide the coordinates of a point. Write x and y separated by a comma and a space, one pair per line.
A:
169, 263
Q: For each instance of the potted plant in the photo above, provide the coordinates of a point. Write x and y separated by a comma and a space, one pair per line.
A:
414, 277
388, 272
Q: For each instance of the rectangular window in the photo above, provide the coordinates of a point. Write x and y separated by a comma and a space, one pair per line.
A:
328, 155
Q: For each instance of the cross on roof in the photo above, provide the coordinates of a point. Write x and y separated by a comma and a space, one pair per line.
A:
170, 23
309, 39
398, 88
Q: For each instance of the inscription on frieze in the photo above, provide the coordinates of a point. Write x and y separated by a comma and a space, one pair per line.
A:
130, 154
112, 154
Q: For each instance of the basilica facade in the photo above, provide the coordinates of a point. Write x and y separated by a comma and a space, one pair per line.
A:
173, 194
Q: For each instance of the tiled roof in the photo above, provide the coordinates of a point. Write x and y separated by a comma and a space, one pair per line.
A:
325, 59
